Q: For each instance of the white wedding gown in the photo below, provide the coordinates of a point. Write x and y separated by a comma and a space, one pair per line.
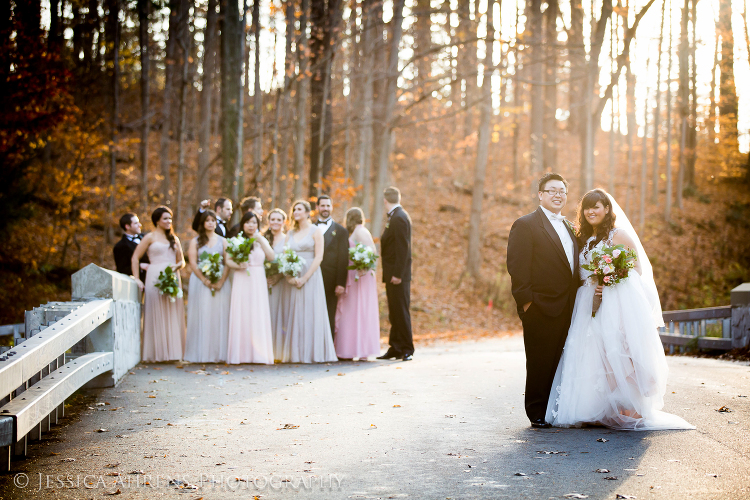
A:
613, 370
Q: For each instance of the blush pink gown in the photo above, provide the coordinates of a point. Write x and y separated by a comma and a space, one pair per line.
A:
163, 320
358, 317
250, 339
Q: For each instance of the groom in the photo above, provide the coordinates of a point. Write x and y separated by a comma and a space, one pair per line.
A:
543, 266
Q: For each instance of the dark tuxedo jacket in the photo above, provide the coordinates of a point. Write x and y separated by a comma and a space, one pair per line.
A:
221, 228
123, 253
335, 256
395, 246
539, 269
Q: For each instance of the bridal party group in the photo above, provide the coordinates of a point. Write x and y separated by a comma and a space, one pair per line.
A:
274, 287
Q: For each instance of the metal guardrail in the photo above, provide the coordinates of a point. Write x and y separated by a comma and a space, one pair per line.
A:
689, 328
36, 376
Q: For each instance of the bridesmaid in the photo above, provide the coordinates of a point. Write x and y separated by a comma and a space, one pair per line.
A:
357, 313
250, 339
208, 314
276, 237
163, 320
302, 321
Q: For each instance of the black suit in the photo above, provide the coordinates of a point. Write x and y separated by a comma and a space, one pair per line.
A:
123, 252
334, 266
540, 273
221, 228
395, 249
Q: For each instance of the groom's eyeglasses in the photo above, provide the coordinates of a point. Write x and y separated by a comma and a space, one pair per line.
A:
554, 192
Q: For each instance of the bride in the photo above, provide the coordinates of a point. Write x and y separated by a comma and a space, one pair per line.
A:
613, 371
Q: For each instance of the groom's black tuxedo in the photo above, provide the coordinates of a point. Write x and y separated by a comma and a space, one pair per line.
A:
334, 266
541, 274
395, 249
123, 252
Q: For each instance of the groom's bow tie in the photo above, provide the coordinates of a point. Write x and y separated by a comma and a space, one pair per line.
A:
557, 217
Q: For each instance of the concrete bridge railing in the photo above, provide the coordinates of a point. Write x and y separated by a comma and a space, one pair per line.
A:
91, 341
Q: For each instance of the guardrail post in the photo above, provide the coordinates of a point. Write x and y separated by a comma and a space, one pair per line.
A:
740, 298
122, 334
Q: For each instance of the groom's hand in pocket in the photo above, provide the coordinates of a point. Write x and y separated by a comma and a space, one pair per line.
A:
526, 306
395, 280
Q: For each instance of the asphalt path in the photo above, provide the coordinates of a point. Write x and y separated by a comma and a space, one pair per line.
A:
449, 424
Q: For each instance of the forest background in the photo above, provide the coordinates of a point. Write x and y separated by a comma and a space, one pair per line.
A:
108, 106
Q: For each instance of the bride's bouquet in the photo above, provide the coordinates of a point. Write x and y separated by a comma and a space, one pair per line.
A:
239, 248
168, 284
363, 259
211, 266
611, 265
289, 263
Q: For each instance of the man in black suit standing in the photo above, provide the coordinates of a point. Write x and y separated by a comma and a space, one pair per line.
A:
335, 257
395, 249
543, 266
249, 204
223, 209
123, 249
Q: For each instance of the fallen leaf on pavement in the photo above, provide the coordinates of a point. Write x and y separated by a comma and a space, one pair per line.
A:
397, 406
550, 452
611, 478
575, 495
519, 474
626, 497
68, 460
724, 409
602, 471
288, 426
602, 440
112, 466
117, 492
101, 430
137, 472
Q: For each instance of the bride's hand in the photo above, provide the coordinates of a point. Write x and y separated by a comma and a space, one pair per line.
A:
597, 298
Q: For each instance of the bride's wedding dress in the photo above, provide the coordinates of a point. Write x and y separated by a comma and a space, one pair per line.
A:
613, 370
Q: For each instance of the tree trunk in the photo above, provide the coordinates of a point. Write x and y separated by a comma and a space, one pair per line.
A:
657, 113
517, 104
423, 39
286, 102
55, 39
166, 108
632, 132
644, 161
577, 60
207, 79
183, 38
113, 53
232, 45
365, 121
693, 125
474, 260
143, 39
668, 203
712, 116
390, 105
549, 150
303, 83
536, 67
468, 61
257, 104
728, 103
684, 97
747, 51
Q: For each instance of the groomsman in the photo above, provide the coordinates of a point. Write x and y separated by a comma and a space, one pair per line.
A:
395, 249
335, 257
123, 249
223, 209
249, 204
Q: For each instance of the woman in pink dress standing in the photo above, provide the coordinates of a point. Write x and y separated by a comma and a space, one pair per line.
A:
163, 319
357, 313
250, 339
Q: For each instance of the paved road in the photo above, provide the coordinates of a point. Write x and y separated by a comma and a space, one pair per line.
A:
449, 424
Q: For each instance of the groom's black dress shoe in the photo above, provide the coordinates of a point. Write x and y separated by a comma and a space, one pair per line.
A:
540, 423
390, 354
407, 357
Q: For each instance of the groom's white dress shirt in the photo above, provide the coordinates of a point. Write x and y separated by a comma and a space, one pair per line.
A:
558, 222
324, 224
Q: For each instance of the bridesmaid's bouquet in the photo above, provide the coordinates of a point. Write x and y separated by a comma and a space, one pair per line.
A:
289, 263
239, 248
363, 259
612, 264
168, 284
211, 266
272, 269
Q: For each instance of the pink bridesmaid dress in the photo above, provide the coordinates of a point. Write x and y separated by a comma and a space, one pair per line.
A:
250, 339
358, 317
163, 320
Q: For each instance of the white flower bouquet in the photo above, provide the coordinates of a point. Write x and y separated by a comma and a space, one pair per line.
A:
211, 266
239, 248
289, 263
363, 259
